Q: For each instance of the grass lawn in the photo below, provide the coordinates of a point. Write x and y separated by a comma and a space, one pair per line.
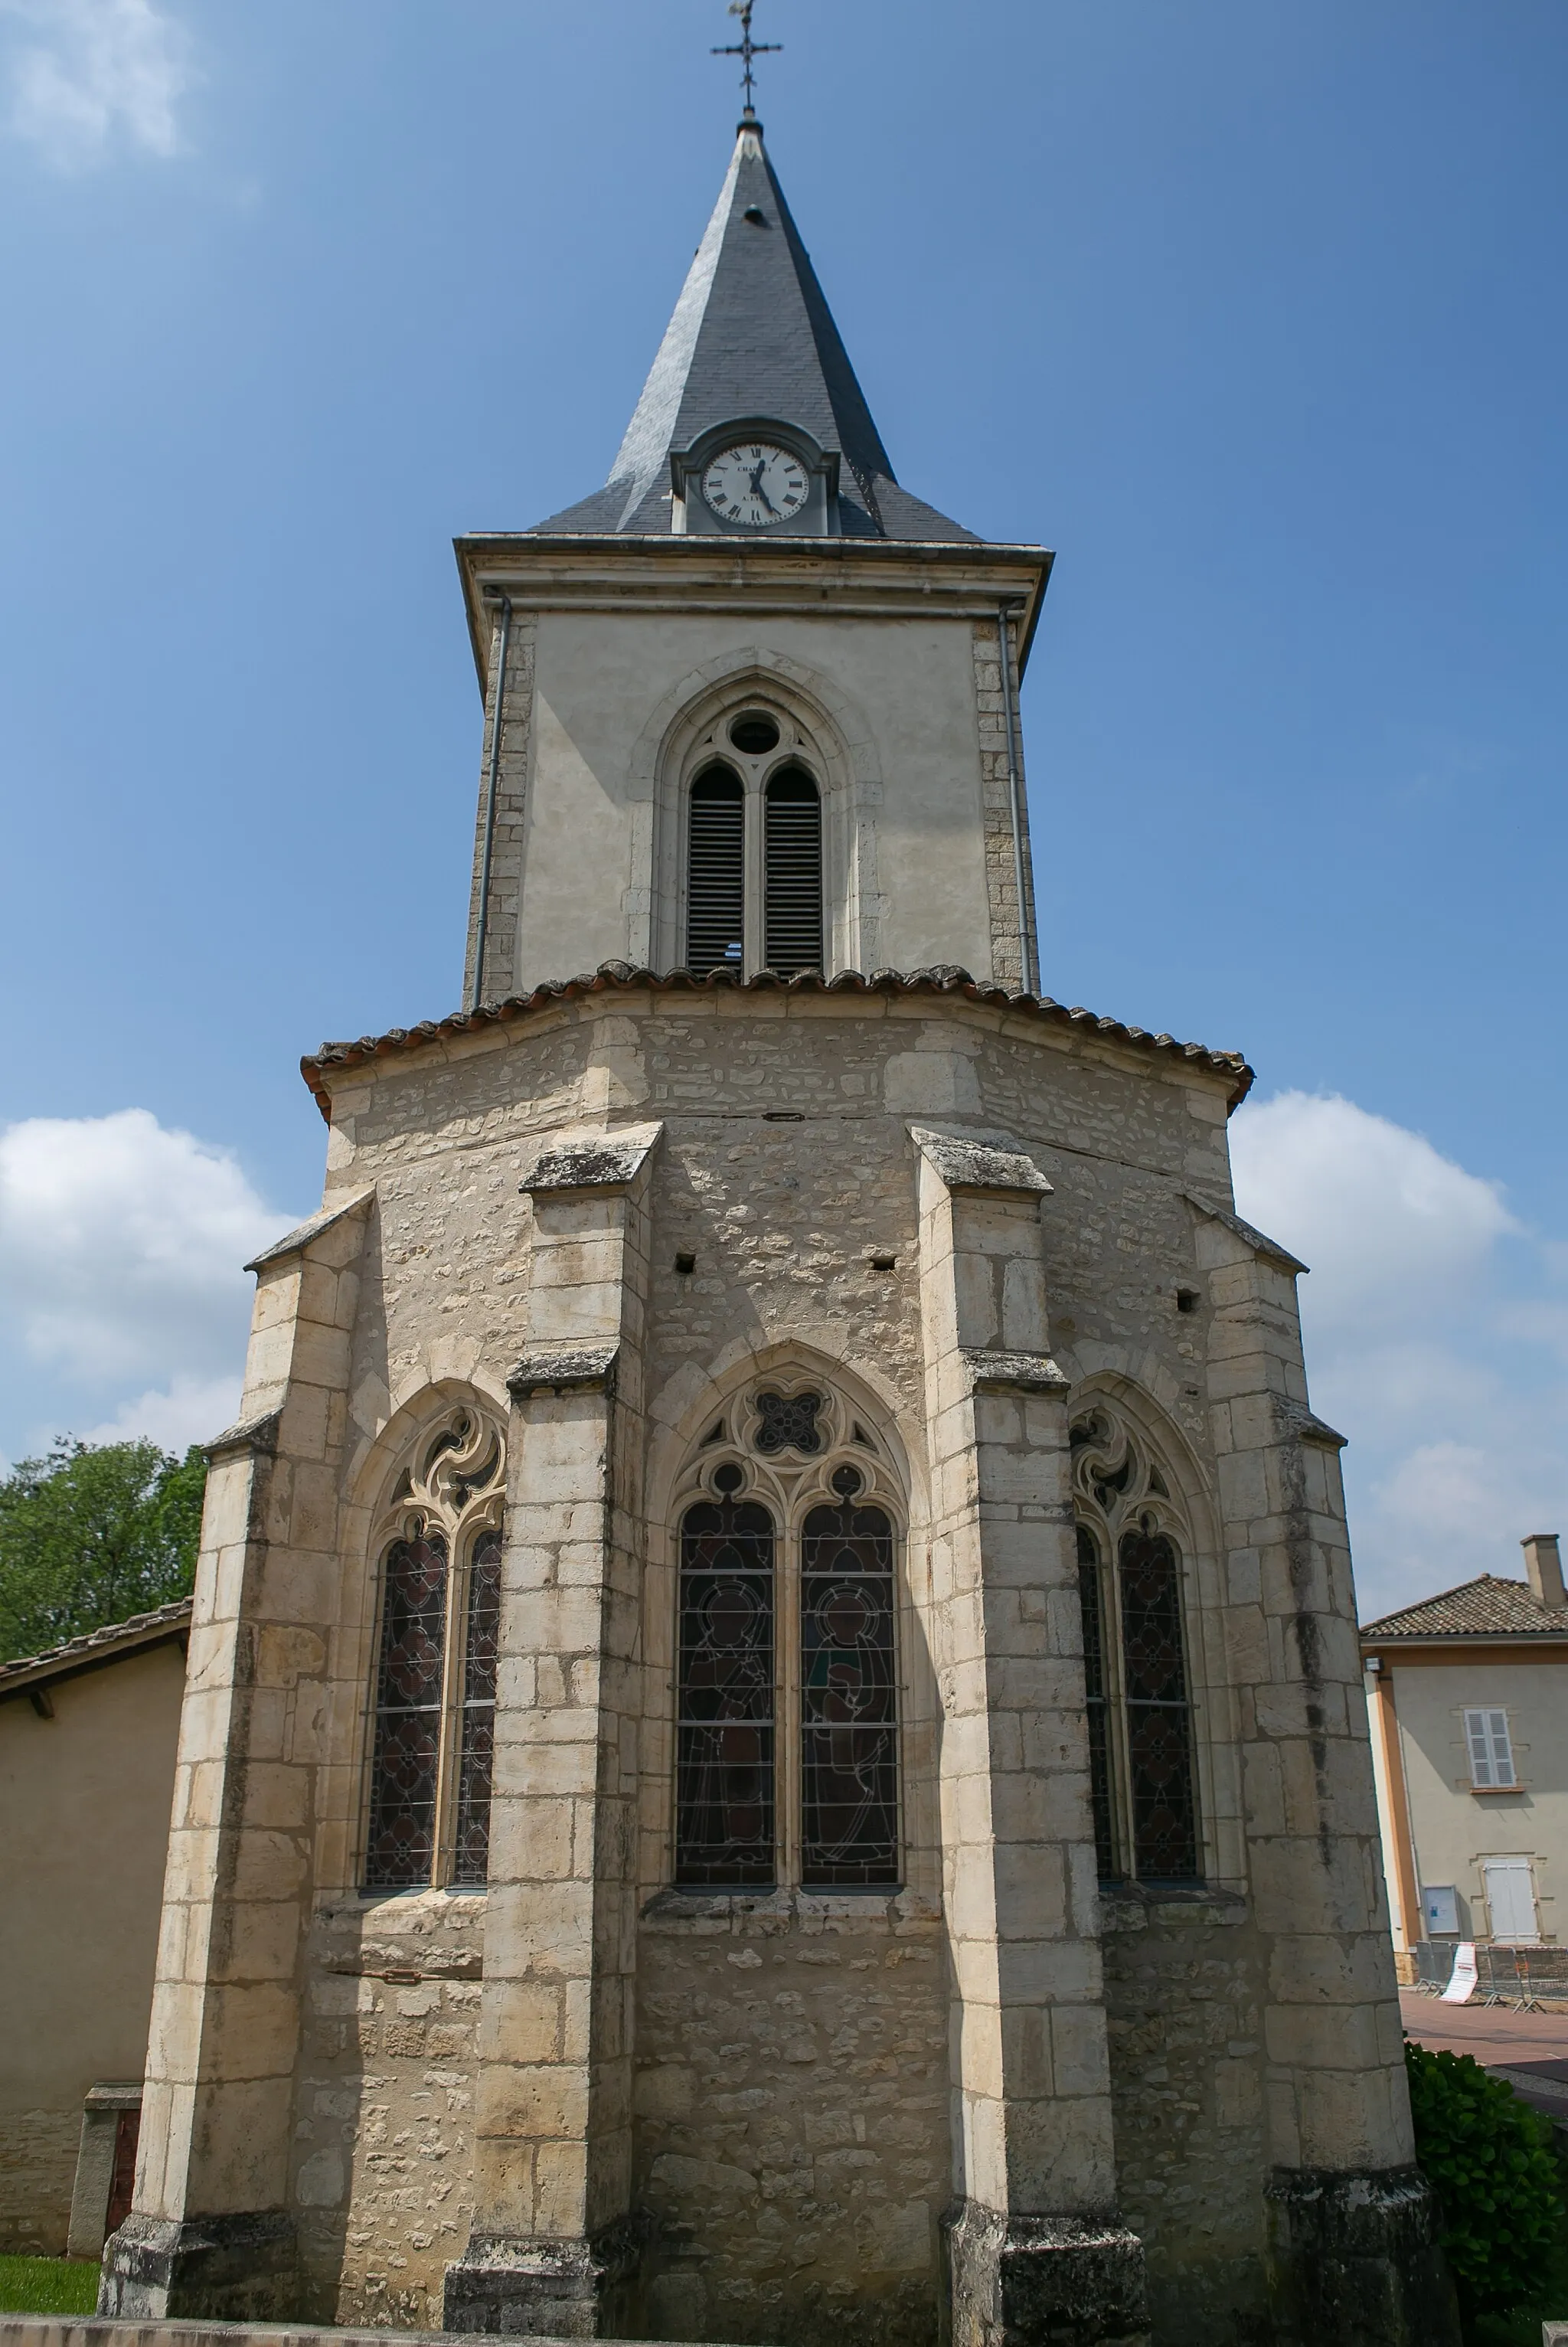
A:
48, 2286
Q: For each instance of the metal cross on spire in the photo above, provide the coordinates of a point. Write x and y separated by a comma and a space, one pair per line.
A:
745, 49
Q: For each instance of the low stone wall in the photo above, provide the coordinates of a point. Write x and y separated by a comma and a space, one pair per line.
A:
43, 2331
37, 2169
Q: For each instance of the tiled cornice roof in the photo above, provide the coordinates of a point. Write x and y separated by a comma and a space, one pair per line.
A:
1486, 1608
612, 977
105, 1645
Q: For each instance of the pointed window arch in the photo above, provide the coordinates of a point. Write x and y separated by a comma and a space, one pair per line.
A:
433, 1747
715, 870
1136, 1687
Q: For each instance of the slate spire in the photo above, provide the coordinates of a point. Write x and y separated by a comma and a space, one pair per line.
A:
751, 335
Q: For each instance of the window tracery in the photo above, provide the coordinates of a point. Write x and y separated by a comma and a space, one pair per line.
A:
753, 880
787, 1669
433, 1745
1136, 1689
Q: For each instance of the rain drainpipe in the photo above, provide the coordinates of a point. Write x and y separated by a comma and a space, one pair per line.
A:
491, 781
1028, 975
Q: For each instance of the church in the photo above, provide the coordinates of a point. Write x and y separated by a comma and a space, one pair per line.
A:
773, 1745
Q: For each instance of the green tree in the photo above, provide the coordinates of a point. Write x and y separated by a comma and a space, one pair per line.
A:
92, 1533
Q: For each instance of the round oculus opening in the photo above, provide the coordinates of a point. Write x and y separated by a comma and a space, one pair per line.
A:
847, 1482
728, 1479
755, 734
755, 213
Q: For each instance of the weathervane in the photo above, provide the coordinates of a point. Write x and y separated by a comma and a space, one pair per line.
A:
745, 49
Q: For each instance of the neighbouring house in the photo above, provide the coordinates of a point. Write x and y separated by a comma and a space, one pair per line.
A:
88, 1738
1469, 1705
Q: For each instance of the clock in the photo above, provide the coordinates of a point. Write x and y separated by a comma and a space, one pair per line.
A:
755, 483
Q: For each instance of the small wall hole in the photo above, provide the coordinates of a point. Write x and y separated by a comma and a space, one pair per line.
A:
684, 1262
1187, 1299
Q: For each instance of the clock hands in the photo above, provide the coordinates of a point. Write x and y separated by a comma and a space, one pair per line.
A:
757, 489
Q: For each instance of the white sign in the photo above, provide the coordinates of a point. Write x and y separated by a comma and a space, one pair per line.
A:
1440, 1905
1461, 1981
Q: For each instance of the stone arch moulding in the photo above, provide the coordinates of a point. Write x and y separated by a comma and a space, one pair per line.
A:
1216, 1726
681, 1449
371, 1503
850, 776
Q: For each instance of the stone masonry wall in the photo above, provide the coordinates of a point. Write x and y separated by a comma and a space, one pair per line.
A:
383, 2136
37, 2169
792, 2073
1183, 1976
792, 2117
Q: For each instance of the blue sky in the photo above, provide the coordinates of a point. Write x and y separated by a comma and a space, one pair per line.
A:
1253, 312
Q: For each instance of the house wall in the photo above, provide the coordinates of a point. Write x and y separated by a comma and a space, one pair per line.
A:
84, 1825
1454, 1828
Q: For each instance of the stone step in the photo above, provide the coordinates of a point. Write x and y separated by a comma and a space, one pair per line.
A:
93, 2330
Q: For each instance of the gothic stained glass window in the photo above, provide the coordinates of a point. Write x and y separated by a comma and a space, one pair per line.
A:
849, 1753
477, 1733
406, 1765
1158, 1727
724, 1837
1096, 1704
789, 1423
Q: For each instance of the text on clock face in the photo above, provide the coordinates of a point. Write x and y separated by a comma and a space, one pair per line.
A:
755, 483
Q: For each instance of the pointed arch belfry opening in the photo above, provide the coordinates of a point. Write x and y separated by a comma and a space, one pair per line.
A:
792, 871
716, 869
807, 775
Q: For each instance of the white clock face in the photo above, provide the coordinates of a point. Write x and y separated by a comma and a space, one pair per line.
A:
756, 483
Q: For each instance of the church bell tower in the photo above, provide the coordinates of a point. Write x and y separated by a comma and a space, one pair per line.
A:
757, 702
775, 1745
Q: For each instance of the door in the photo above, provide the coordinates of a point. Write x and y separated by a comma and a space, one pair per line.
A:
122, 2181
1511, 1901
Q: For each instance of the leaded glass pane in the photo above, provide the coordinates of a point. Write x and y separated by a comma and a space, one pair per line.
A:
725, 1738
476, 1738
849, 1731
1095, 1703
402, 1842
1158, 1731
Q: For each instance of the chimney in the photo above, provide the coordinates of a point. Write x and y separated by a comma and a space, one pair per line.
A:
1544, 1566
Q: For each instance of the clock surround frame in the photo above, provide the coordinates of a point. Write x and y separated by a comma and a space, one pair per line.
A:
692, 515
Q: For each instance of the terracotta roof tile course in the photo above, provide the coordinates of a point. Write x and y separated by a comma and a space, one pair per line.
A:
948, 979
1486, 1607
136, 1630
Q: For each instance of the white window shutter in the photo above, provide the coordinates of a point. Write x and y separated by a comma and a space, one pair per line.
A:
1490, 1748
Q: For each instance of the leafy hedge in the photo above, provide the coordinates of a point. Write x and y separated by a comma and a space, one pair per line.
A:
1490, 2156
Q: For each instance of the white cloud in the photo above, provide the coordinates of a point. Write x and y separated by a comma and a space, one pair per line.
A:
192, 1410
1434, 1340
86, 75
1383, 1220
121, 1251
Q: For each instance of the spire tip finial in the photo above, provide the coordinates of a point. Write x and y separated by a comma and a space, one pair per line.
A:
745, 49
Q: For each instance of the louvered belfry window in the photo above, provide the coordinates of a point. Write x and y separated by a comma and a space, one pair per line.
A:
792, 883
715, 871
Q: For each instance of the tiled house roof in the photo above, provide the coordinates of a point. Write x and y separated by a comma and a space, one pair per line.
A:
1486, 1608
105, 1645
